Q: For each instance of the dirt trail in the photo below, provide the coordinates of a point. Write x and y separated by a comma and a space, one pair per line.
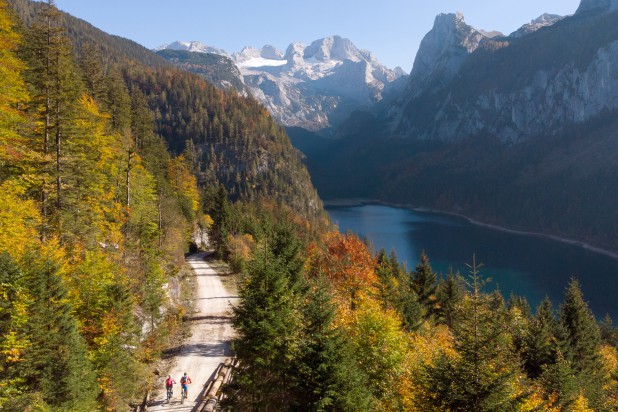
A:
209, 344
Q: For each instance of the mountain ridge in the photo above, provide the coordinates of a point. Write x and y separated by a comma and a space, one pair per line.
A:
314, 86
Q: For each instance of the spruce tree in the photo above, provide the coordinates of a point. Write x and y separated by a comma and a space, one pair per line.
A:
583, 342
326, 376
540, 347
481, 377
449, 294
57, 90
268, 325
220, 214
56, 364
423, 283
609, 333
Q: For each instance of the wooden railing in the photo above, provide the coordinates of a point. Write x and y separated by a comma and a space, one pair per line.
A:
213, 394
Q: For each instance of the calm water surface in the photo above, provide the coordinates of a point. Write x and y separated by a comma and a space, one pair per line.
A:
528, 265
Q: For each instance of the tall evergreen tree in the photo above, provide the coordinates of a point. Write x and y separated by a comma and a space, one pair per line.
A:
268, 325
449, 294
423, 282
55, 361
482, 376
540, 347
583, 341
326, 376
56, 91
220, 214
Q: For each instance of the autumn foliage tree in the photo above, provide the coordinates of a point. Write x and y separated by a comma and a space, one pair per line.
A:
345, 260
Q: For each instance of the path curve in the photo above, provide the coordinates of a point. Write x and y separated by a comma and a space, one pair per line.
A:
209, 344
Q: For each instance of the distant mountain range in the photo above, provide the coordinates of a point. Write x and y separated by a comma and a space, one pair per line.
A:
315, 87
519, 130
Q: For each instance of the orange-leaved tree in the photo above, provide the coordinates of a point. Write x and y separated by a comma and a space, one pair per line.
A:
346, 261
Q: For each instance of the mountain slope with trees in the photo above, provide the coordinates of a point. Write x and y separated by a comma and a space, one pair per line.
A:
95, 218
229, 139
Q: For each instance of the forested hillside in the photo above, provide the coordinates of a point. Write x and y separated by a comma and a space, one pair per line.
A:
228, 139
218, 70
95, 217
96, 212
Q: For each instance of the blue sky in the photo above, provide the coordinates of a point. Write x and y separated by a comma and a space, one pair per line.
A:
391, 29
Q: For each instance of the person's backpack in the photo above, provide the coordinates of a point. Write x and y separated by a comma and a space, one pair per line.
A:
168, 382
183, 380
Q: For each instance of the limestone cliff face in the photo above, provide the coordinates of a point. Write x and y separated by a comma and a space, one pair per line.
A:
442, 52
516, 87
553, 98
588, 6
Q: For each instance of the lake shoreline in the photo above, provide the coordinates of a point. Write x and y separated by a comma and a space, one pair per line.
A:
361, 202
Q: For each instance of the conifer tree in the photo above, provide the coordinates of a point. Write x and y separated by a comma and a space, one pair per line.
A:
449, 294
423, 282
482, 376
268, 325
55, 361
92, 72
117, 101
583, 341
609, 333
326, 376
220, 214
56, 91
540, 346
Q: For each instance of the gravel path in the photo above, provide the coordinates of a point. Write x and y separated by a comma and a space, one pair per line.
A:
209, 344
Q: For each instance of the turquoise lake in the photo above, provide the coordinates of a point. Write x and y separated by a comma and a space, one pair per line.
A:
528, 265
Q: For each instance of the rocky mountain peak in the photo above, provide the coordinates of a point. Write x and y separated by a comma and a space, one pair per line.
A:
592, 6
270, 52
444, 49
332, 48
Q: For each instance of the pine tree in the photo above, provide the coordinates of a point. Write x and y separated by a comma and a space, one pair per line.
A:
481, 377
423, 282
268, 325
583, 341
540, 347
55, 362
449, 294
326, 376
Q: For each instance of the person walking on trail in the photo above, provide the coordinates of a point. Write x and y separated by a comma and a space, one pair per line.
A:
184, 382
